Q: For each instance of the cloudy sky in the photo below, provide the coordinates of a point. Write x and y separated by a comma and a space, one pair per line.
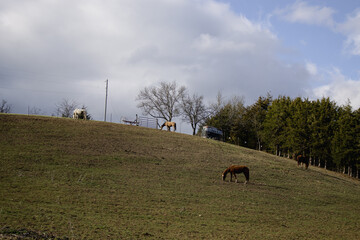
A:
52, 50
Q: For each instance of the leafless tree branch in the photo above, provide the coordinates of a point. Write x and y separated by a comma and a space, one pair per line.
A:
161, 101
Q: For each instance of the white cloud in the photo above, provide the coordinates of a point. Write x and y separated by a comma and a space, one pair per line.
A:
208, 43
51, 50
311, 68
351, 29
340, 89
302, 12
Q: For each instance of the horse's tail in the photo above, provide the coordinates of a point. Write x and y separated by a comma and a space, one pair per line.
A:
247, 173
174, 126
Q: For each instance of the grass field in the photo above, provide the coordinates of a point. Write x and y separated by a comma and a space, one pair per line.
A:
67, 179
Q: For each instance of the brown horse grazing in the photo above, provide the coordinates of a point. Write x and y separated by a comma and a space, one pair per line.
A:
301, 159
236, 169
169, 125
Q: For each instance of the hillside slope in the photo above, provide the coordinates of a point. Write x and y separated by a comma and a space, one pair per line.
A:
95, 180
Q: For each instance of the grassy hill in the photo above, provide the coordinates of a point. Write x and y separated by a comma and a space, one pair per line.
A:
71, 179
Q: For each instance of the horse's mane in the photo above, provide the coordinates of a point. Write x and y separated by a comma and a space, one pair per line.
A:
226, 171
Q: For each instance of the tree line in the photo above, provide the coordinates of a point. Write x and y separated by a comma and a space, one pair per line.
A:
329, 135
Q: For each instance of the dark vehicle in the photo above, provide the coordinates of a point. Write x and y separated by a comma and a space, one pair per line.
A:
212, 133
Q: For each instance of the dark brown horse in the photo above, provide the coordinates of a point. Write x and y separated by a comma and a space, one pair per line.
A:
169, 125
302, 159
236, 169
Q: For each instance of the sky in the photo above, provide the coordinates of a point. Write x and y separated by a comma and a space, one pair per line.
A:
51, 50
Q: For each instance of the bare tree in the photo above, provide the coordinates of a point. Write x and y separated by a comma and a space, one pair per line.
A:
5, 107
162, 101
218, 105
34, 111
66, 108
194, 110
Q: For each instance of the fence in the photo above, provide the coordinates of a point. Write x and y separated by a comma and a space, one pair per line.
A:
143, 122
148, 122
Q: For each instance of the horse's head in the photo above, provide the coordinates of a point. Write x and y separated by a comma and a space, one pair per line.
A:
224, 175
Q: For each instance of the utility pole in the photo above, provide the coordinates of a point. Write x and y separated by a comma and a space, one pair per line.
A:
107, 81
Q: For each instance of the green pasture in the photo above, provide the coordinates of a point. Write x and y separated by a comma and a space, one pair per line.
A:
74, 179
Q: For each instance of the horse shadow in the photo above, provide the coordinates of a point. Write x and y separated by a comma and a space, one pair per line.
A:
258, 185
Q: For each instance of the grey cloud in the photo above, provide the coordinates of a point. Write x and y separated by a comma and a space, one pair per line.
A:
55, 50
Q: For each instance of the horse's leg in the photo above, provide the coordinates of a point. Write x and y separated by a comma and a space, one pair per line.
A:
236, 180
246, 174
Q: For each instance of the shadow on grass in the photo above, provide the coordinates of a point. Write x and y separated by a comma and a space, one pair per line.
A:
257, 184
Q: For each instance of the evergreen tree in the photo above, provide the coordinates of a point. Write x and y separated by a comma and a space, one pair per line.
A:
255, 118
345, 146
298, 131
274, 130
322, 124
357, 142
